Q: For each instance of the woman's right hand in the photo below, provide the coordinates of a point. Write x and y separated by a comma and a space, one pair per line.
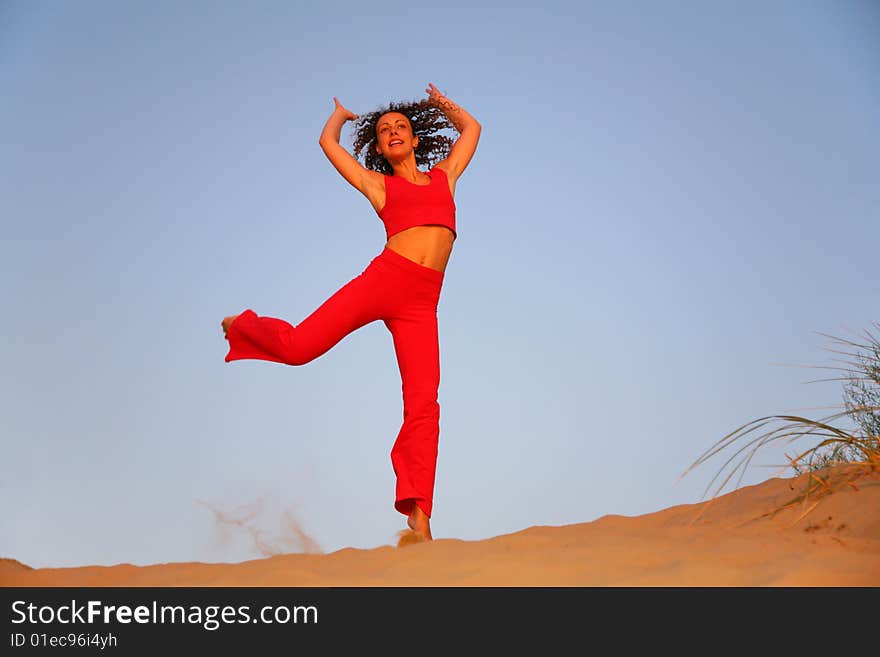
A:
346, 114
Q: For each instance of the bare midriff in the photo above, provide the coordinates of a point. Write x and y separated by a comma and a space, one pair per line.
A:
429, 246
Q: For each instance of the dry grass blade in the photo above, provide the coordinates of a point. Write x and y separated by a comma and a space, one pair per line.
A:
842, 455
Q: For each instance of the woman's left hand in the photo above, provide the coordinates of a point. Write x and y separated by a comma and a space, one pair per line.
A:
434, 94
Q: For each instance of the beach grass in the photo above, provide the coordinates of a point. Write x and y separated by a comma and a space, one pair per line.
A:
845, 445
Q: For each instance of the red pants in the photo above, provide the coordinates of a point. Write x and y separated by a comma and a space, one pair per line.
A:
404, 295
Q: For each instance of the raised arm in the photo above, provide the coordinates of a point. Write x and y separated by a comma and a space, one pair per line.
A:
469, 133
365, 181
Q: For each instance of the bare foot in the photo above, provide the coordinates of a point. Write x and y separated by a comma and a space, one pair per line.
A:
226, 323
419, 522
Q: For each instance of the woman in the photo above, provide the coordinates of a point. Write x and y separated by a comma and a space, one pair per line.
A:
401, 286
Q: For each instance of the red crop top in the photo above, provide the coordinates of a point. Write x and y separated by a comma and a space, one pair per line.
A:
408, 204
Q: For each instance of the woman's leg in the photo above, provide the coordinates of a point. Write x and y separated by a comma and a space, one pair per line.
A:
267, 338
414, 455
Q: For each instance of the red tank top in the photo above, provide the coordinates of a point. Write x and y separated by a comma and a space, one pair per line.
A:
408, 204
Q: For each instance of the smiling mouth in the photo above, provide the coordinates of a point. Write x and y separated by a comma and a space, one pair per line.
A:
395, 142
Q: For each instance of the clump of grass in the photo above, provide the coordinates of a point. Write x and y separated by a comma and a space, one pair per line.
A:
840, 454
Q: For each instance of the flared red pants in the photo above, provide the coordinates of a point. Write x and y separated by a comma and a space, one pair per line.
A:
404, 295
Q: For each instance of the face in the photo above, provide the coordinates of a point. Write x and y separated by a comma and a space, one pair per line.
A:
394, 136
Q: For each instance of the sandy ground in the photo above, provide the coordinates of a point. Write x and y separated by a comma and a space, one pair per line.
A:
744, 538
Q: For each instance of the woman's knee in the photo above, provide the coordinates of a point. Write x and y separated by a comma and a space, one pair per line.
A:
421, 408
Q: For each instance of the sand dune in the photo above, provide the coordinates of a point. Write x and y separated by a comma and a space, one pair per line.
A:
738, 539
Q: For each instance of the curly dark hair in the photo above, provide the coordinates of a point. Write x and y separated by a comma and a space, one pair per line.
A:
427, 123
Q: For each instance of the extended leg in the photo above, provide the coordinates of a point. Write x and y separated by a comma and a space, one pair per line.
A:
268, 338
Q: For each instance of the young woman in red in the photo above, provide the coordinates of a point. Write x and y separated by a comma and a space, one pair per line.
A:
401, 286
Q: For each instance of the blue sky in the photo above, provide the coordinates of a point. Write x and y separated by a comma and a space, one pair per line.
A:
670, 201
